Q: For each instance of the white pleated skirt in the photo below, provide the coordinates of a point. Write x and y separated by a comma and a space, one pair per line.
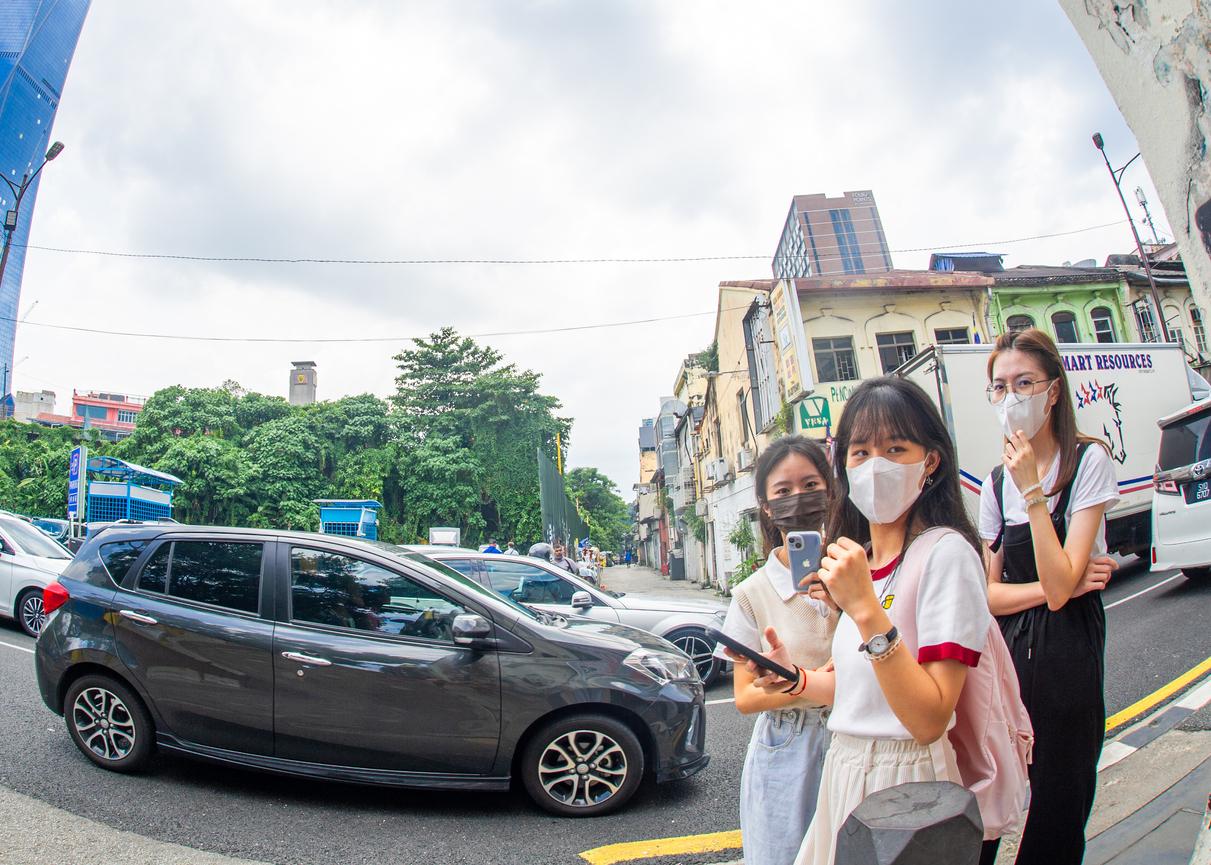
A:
856, 767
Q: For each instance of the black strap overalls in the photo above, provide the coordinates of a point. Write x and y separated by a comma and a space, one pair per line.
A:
1060, 664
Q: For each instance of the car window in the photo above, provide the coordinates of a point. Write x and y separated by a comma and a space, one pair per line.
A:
154, 576
529, 584
1186, 442
332, 589
217, 572
118, 557
33, 541
466, 567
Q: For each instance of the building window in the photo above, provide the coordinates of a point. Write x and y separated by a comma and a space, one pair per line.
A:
92, 412
835, 360
126, 416
1200, 331
1065, 327
1176, 335
1103, 324
745, 426
952, 336
1017, 323
895, 349
1145, 321
847, 242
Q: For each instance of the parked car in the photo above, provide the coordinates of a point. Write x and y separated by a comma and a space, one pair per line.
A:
328, 657
538, 583
56, 528
1181, 504
29, 559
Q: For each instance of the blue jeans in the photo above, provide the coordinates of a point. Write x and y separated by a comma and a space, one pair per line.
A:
780, 782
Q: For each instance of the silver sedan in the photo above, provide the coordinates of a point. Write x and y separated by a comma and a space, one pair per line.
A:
537, 583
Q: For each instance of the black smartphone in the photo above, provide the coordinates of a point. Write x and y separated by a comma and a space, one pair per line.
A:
803, 551
756, 657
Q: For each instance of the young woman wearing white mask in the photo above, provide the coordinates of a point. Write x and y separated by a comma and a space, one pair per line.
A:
900, 665
1042, 515
782, 766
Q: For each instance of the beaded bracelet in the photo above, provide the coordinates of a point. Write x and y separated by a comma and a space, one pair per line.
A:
891, 650
1031, 489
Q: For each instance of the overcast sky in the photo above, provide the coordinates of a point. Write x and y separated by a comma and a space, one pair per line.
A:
527, 130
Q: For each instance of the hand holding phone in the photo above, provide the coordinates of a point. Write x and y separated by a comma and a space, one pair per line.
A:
803, 553
756, 657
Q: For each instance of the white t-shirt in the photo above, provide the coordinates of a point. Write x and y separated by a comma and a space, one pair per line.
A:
739, 625
950, 620
1094, 484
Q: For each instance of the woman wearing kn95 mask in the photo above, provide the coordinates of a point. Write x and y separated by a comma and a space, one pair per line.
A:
1042, 515
904, 568
781, 776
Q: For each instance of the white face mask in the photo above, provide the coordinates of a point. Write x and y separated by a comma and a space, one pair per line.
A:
883, 490
1025, 413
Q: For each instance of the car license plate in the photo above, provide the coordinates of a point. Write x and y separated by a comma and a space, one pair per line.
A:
1198, 492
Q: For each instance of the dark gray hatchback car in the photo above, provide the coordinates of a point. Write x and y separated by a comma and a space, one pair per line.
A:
332, 658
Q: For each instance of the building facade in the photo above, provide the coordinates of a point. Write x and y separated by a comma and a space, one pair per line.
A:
1072, 304
114, 415
37, 41
824, 236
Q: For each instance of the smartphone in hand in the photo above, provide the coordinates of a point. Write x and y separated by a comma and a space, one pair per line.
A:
803, 552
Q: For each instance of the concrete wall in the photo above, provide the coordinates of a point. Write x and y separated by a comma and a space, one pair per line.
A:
1154, 57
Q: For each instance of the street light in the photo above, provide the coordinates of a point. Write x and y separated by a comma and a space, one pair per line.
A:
10, 225
1117, 176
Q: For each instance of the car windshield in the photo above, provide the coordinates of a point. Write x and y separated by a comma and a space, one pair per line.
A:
453, 575
1186, 442
33, 541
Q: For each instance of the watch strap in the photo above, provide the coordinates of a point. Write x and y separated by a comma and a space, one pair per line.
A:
890, 636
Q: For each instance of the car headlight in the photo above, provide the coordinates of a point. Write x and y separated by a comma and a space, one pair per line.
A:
664, 667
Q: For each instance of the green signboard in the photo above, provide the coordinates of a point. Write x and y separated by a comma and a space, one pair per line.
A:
814, 413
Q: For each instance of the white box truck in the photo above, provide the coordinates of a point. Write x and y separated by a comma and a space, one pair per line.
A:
1119, 390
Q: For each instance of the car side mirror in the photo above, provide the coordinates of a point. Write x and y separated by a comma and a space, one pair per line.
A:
582, 599
471, 630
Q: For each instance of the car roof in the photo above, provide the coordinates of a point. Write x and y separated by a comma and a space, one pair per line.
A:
430, 549
1181, 414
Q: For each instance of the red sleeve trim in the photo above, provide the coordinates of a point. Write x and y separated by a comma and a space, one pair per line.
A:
948, 652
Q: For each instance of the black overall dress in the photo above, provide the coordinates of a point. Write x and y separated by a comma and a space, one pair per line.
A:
1060, 661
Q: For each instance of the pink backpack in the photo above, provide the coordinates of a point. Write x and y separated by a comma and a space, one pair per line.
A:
992, 736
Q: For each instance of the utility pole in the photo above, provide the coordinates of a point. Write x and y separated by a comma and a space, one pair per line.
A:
1117, 176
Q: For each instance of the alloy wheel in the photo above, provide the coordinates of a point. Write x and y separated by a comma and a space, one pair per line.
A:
582, 768
700, 650
33, 614
104, 724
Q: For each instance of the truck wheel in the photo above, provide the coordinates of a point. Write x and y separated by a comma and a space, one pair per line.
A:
582, 766
1197, 575
109, 724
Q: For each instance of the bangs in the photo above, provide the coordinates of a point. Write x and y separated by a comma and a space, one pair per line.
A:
881, 411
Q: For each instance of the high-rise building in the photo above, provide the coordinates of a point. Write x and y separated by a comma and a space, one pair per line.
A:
37, 41
827, 236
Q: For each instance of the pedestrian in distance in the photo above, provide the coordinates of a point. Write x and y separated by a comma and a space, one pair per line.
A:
560, 559
781, 775
896, 518
511, 549
1042, 516
491, 547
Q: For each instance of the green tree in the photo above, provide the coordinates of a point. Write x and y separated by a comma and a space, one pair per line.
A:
597, 499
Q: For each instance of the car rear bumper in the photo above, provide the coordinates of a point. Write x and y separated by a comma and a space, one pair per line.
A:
1192, 554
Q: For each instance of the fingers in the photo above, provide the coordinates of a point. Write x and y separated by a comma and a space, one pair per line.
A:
739, 659
771, 637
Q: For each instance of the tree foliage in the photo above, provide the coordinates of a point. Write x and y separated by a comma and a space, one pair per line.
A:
597, 499
455, 445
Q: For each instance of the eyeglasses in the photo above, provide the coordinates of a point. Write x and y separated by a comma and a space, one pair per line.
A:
1023, 386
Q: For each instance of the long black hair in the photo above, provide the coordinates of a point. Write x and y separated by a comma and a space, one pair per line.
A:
770, 458
895, 407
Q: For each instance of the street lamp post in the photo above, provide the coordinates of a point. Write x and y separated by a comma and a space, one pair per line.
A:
10, 225
1117, 177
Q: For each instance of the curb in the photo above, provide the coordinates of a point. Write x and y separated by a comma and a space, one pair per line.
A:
1154, 726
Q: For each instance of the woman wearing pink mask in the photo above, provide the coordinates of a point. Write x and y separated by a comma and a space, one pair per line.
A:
1042, 514
898, 521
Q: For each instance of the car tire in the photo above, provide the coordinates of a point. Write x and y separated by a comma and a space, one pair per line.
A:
29, 612
109, 724
694, 642
1197, 575
582, 766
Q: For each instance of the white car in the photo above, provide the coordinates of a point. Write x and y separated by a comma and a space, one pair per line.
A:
1181, 503
29, 559
537, 583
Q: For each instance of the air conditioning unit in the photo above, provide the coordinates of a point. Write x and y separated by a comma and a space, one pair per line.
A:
711, 467
721, 469
744, 459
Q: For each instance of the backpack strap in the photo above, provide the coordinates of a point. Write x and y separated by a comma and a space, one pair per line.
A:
1061, 505
998, 490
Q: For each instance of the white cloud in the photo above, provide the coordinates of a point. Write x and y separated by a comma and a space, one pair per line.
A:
527, 129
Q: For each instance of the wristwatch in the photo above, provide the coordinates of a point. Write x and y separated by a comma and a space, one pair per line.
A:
880, 644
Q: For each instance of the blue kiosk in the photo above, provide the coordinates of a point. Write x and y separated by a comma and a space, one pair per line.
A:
353, 518
118, 490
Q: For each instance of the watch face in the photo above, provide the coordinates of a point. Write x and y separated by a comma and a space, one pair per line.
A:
878, 644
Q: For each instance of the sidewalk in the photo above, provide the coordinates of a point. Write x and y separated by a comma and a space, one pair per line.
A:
641, 580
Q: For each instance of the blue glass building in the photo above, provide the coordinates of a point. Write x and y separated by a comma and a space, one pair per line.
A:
37, 41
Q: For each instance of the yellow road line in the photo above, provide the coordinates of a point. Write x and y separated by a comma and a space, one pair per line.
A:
1160, 694
631, 850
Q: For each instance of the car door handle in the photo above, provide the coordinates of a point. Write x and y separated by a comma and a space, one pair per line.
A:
137, 617
306, 659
